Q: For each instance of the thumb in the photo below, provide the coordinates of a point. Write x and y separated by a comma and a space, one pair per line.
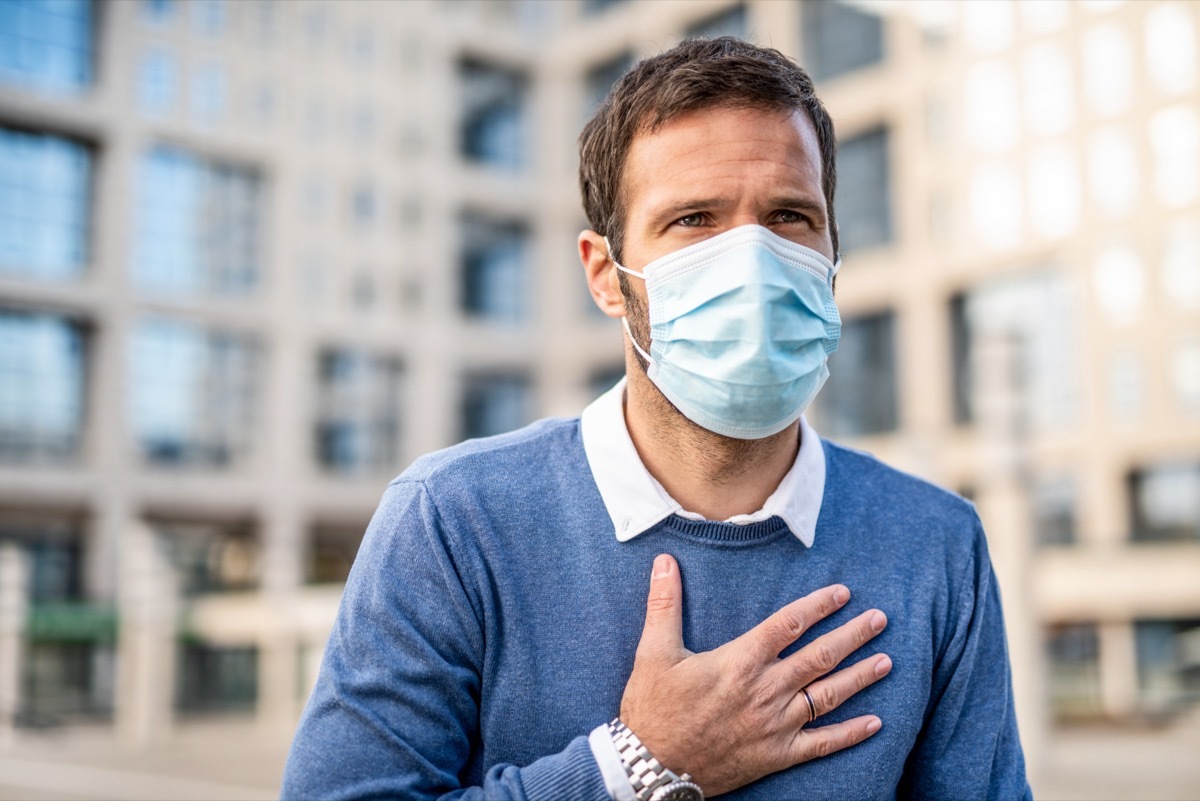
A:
662, 636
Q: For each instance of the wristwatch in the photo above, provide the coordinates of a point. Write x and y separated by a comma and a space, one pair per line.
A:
650, 780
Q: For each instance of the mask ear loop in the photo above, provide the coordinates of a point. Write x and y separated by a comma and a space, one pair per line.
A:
625, 320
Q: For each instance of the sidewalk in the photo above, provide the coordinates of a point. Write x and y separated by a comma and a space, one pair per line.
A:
240, 761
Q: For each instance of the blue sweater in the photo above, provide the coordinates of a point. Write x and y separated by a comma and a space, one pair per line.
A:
490, 622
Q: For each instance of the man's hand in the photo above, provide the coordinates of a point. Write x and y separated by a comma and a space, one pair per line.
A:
737, 713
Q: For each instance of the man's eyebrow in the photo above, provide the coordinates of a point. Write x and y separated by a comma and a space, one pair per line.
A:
815, 208
668, 213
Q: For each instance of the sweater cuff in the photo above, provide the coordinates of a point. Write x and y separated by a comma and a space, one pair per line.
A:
615, 778
570, 774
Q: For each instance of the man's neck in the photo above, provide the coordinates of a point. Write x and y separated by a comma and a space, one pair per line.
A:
706, 473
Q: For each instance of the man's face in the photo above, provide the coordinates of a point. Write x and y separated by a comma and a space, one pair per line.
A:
715, 169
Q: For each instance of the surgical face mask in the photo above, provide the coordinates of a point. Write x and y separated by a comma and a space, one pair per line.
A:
741, 327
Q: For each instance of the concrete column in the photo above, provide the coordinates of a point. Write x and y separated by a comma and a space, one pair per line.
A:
149, 605
278, 653
14, 606
1003, 502
1118, 669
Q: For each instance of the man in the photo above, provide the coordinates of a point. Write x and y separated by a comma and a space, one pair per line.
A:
496, 640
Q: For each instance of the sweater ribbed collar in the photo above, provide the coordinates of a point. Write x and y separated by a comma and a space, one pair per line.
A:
636, 501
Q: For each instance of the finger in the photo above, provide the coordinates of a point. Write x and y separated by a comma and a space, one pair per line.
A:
785, 626
662, 634
813, 743
826, 652
832, 691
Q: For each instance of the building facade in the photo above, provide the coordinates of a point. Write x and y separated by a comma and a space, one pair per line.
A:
255, 257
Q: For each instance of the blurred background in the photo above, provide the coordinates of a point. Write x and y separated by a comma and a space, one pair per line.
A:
257, 255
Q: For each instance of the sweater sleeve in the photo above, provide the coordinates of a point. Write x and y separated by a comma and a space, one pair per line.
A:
968, 747
395, 710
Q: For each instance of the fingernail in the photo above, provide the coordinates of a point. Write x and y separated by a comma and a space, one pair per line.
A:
841, 595
883, 666
873, 725
662, 566
878, 621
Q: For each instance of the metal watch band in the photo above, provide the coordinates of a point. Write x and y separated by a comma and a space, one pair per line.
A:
647, 774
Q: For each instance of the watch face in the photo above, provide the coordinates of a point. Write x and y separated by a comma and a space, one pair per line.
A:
678, 791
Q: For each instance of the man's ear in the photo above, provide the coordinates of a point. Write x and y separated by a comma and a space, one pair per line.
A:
601, 274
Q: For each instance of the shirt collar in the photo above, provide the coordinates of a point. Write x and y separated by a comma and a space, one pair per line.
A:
636, 501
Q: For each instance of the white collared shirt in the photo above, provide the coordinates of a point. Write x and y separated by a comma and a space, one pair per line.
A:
636, 502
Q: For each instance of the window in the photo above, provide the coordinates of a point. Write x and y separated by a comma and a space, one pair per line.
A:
1174, 135
860, 395
207, 98
193, 393
731, 22
46, 46
67, 681
1033, 313
331, 552
1171, 48
42, 378
210, 557
494, 264
493, 127
157, 82
358, 411
839, 38
864, 202
494, 403
1073, 656
158, 11
600, 79
1107, 69
1053, 501
45, 205
54, 552
208, 16
1168, 656
363, 204
212, 678
1165, 501
198, 226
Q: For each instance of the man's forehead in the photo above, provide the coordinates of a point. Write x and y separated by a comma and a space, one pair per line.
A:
707, 143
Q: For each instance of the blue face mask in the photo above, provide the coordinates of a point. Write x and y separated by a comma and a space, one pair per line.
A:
741, 326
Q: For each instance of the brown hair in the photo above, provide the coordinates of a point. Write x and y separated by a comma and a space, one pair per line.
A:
725, 72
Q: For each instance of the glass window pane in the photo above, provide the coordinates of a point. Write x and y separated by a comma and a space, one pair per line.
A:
46, 45
45, 205
42, 376
193, 393
1168, 656
494, 264
1073, 652
860, 395
1166, 502
492, 129
358, 412
495, 403
198, 226
839, 38
864, 202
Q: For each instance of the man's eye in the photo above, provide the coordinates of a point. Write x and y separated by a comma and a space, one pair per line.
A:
691, 220
789, 216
